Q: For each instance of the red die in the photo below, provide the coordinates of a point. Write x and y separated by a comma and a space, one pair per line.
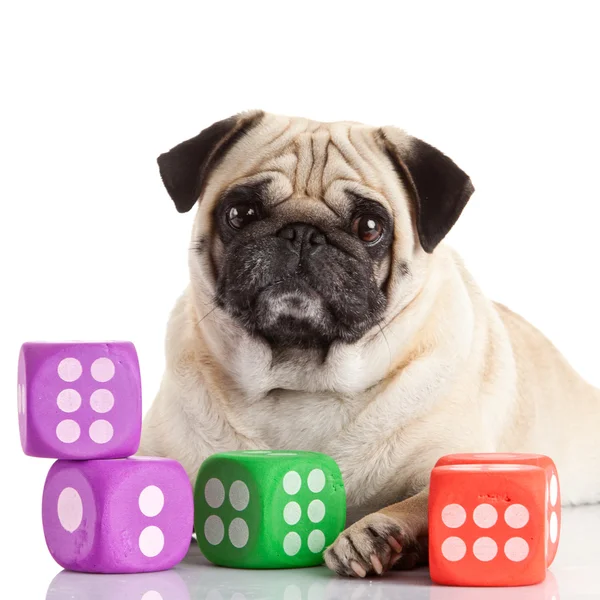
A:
487, 525
547, 590
536, 460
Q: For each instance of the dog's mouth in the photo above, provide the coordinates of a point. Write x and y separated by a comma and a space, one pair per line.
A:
291, 312
313, 301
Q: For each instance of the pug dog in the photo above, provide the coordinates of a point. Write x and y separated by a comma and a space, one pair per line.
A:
324, 313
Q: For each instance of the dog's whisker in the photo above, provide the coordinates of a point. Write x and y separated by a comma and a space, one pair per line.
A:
387, 344
210, 312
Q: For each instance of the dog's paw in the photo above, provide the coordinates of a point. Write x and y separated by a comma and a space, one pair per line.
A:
374, 544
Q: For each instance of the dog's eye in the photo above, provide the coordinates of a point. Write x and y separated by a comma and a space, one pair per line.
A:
241, 215
368, 228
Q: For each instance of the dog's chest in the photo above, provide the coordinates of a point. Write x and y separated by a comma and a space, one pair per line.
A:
287, 419
317, 422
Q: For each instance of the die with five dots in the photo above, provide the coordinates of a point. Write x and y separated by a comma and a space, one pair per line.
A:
268, 509
129, 515
79, 400
490, 521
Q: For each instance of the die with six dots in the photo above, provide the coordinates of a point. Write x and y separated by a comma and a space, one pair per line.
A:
268, 509
535, 460
127, 515
79, 400
488, 524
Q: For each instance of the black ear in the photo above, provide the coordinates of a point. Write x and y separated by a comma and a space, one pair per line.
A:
185, 168
440, 188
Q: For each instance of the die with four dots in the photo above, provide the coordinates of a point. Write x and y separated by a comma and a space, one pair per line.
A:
268, 509
79, 400
129, 515
488, 524
535, 460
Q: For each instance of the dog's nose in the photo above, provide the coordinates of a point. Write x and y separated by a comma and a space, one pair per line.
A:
302, 236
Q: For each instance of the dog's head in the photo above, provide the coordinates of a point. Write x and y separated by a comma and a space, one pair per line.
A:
307, 232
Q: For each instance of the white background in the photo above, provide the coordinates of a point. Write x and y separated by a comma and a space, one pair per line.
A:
92, 248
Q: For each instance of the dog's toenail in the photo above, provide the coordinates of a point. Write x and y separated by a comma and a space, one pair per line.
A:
376, 564
358, 569
393, 542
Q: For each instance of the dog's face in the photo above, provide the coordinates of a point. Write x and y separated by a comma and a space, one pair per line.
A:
307, 233
298, 272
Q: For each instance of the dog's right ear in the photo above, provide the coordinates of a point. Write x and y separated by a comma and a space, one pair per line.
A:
185, 169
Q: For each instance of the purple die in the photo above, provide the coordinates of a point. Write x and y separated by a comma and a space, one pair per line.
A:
79, 400
128, 515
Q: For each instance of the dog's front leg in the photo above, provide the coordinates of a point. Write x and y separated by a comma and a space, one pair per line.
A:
394, 537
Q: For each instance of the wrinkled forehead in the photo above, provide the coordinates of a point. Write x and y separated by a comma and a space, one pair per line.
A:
301, 158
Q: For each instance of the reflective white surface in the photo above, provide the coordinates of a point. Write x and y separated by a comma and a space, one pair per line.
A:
573, 576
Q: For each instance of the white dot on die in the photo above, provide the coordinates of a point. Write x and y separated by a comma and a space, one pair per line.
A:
292, 543
292, 483
102, 401
454, 549
516, 516
214, 530
553, 489
151, 501
316, 481
485, 516
101, 431
152, 541
70, 509
68, 431
516, 549
238, 533
152, 595
292, 592
103, 369
239, 495
316, 511
214, 493
454, 516
316, 541
69, 369
485, 549
553, 527
68, 400
292, 513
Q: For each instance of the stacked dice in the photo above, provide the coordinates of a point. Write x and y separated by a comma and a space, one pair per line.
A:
102, 511
494, 519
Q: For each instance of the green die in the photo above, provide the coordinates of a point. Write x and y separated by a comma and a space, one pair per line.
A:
263, 509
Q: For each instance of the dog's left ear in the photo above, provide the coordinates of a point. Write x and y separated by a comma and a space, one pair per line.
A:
185, 169
440, 188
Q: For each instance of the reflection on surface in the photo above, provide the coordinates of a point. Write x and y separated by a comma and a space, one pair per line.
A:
166, 585
196, 579
548, 590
